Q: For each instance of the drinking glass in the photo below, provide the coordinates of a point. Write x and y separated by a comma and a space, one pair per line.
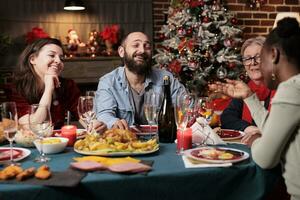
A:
40, 124
151, 107
204, 109
86, 112
9, 121
184, 111
90, 93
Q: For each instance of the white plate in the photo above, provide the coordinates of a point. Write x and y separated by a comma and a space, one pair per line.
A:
105, 153
24, 153
79, 132
204, 154
232, 134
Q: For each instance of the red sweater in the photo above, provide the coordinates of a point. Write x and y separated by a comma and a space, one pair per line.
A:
66, 100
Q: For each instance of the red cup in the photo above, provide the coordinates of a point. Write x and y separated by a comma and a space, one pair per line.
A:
187, 139
69, 131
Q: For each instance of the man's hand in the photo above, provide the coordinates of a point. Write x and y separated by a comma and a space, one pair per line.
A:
121, 124
99, 126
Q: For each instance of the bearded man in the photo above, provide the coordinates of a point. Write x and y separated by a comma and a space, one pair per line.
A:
120, 94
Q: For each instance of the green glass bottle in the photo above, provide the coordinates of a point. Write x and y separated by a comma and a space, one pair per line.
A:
166, 118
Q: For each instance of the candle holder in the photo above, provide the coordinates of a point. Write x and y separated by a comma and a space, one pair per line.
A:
69, 131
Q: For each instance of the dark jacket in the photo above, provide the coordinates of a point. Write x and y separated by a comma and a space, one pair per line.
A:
231, 117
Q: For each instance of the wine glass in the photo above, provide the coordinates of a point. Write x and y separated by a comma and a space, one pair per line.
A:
40, 124
86, 112
184, 111
204, 109
151, 106
9, 121
90, 93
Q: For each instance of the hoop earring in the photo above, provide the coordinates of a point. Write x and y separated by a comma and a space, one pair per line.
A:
273, 76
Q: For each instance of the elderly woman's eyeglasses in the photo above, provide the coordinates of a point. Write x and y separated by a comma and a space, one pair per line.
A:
248, 60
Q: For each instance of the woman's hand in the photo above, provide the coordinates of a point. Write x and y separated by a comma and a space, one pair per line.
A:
251, 134
233, 88
51, 79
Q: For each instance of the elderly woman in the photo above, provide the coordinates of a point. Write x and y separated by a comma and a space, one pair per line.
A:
280, 138
237, 115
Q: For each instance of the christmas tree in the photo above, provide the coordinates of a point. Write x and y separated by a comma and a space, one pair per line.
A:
200, 44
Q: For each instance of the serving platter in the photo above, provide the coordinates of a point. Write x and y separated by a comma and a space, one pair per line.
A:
112, 153
217, 154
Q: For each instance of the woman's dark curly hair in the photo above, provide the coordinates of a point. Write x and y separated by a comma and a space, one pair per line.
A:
286, 36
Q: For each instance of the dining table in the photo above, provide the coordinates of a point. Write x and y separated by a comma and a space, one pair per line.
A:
168, 179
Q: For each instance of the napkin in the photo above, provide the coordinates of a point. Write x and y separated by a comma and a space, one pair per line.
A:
192, 163
201, 131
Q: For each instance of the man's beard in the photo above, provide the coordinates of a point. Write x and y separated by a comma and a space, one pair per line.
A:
142, 68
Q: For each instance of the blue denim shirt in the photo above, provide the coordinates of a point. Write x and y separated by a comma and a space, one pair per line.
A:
113, 100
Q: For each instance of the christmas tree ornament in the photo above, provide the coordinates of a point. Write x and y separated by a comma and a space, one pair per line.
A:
207, 54
189, 31
221, 72
215, 6
243, 77
227, 42
234, 21
231, 65
161, 36
205, 19
193, 65
175, 66
181, 32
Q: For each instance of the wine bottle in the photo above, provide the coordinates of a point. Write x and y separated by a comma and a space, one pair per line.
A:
166, 118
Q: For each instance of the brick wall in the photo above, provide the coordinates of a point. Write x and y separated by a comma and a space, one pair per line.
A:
254, 21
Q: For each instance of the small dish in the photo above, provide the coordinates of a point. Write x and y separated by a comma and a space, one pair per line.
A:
229, 134
52, 145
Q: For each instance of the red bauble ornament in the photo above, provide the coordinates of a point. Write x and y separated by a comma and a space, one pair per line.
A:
167, 48
231, 65
242, 77
205, 19
175, 66
161, 36
234, 21
189, 31
181, 31
201, 3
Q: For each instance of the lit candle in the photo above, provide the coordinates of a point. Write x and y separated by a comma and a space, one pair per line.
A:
187, 139
69, 131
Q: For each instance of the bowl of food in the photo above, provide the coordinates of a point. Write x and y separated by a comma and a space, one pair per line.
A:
25, 138
52, 145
